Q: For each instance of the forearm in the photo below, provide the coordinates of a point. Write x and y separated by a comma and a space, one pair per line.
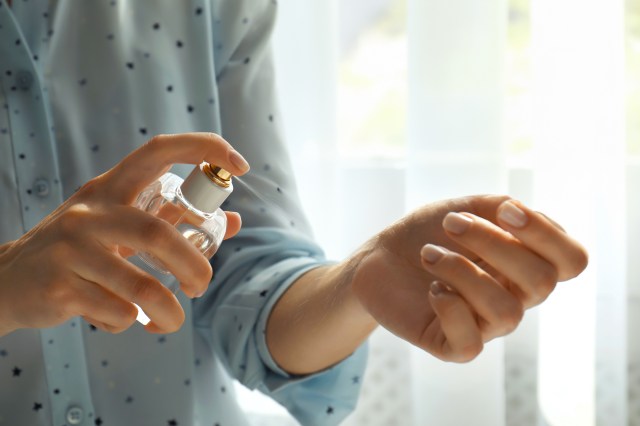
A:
319, 321
5, 325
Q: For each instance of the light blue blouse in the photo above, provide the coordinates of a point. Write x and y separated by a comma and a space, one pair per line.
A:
83, 83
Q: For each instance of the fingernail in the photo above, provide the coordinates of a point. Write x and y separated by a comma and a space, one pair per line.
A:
238, 161
511, 214
456, 223
437, 288
432, 253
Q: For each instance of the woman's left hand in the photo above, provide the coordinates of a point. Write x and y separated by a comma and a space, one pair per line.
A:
455, 274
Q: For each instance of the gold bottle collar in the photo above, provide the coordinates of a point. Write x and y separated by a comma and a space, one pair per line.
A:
218, 175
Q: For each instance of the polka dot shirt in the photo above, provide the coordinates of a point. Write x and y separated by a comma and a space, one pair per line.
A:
82, 84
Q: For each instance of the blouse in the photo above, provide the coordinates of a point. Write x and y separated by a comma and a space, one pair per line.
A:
82, 84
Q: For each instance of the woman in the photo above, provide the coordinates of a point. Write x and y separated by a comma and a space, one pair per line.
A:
84, 86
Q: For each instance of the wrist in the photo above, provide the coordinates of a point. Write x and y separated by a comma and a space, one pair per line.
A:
319, 320
346, 277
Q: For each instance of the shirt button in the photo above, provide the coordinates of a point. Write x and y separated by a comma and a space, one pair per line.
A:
75, 415
24, 80
41, 187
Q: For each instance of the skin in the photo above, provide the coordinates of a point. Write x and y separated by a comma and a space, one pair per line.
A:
72, 264
470, 284
478, 289
448, 277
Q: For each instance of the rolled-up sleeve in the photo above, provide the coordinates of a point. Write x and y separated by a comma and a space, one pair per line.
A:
275, 246
233, 318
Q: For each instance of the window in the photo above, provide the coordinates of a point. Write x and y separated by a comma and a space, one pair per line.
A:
372, 79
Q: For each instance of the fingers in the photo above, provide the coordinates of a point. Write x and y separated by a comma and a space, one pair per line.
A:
462, 340
133, 228
105, 309
500, 310
531, 251
234, 223
534, 276
125, 282
545, 237
127, 179
518, 257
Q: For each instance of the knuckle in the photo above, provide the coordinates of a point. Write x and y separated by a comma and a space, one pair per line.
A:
509, 316
447, 309
60, 296
488, 239
174, 322
456, 265
126, 317
145, 290
156, 231
203, 274
544, 281
468, 352
155, 141
89, 188
214, 137
67, 222
578, 264
73, 219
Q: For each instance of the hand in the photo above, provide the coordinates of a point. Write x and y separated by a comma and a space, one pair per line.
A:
71, 263
458, 273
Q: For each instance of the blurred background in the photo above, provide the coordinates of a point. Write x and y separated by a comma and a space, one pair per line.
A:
390, 104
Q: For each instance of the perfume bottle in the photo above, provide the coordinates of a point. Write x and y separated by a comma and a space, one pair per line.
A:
193, 207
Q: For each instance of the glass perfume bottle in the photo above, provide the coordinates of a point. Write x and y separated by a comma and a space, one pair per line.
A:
193, 207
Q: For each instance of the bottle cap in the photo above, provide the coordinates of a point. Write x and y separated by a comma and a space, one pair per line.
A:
206, 187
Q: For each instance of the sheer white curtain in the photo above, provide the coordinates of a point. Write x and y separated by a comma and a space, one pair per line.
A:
456, 56
579, 139
568, 362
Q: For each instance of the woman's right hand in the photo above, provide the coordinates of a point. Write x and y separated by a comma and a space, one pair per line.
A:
70, 264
